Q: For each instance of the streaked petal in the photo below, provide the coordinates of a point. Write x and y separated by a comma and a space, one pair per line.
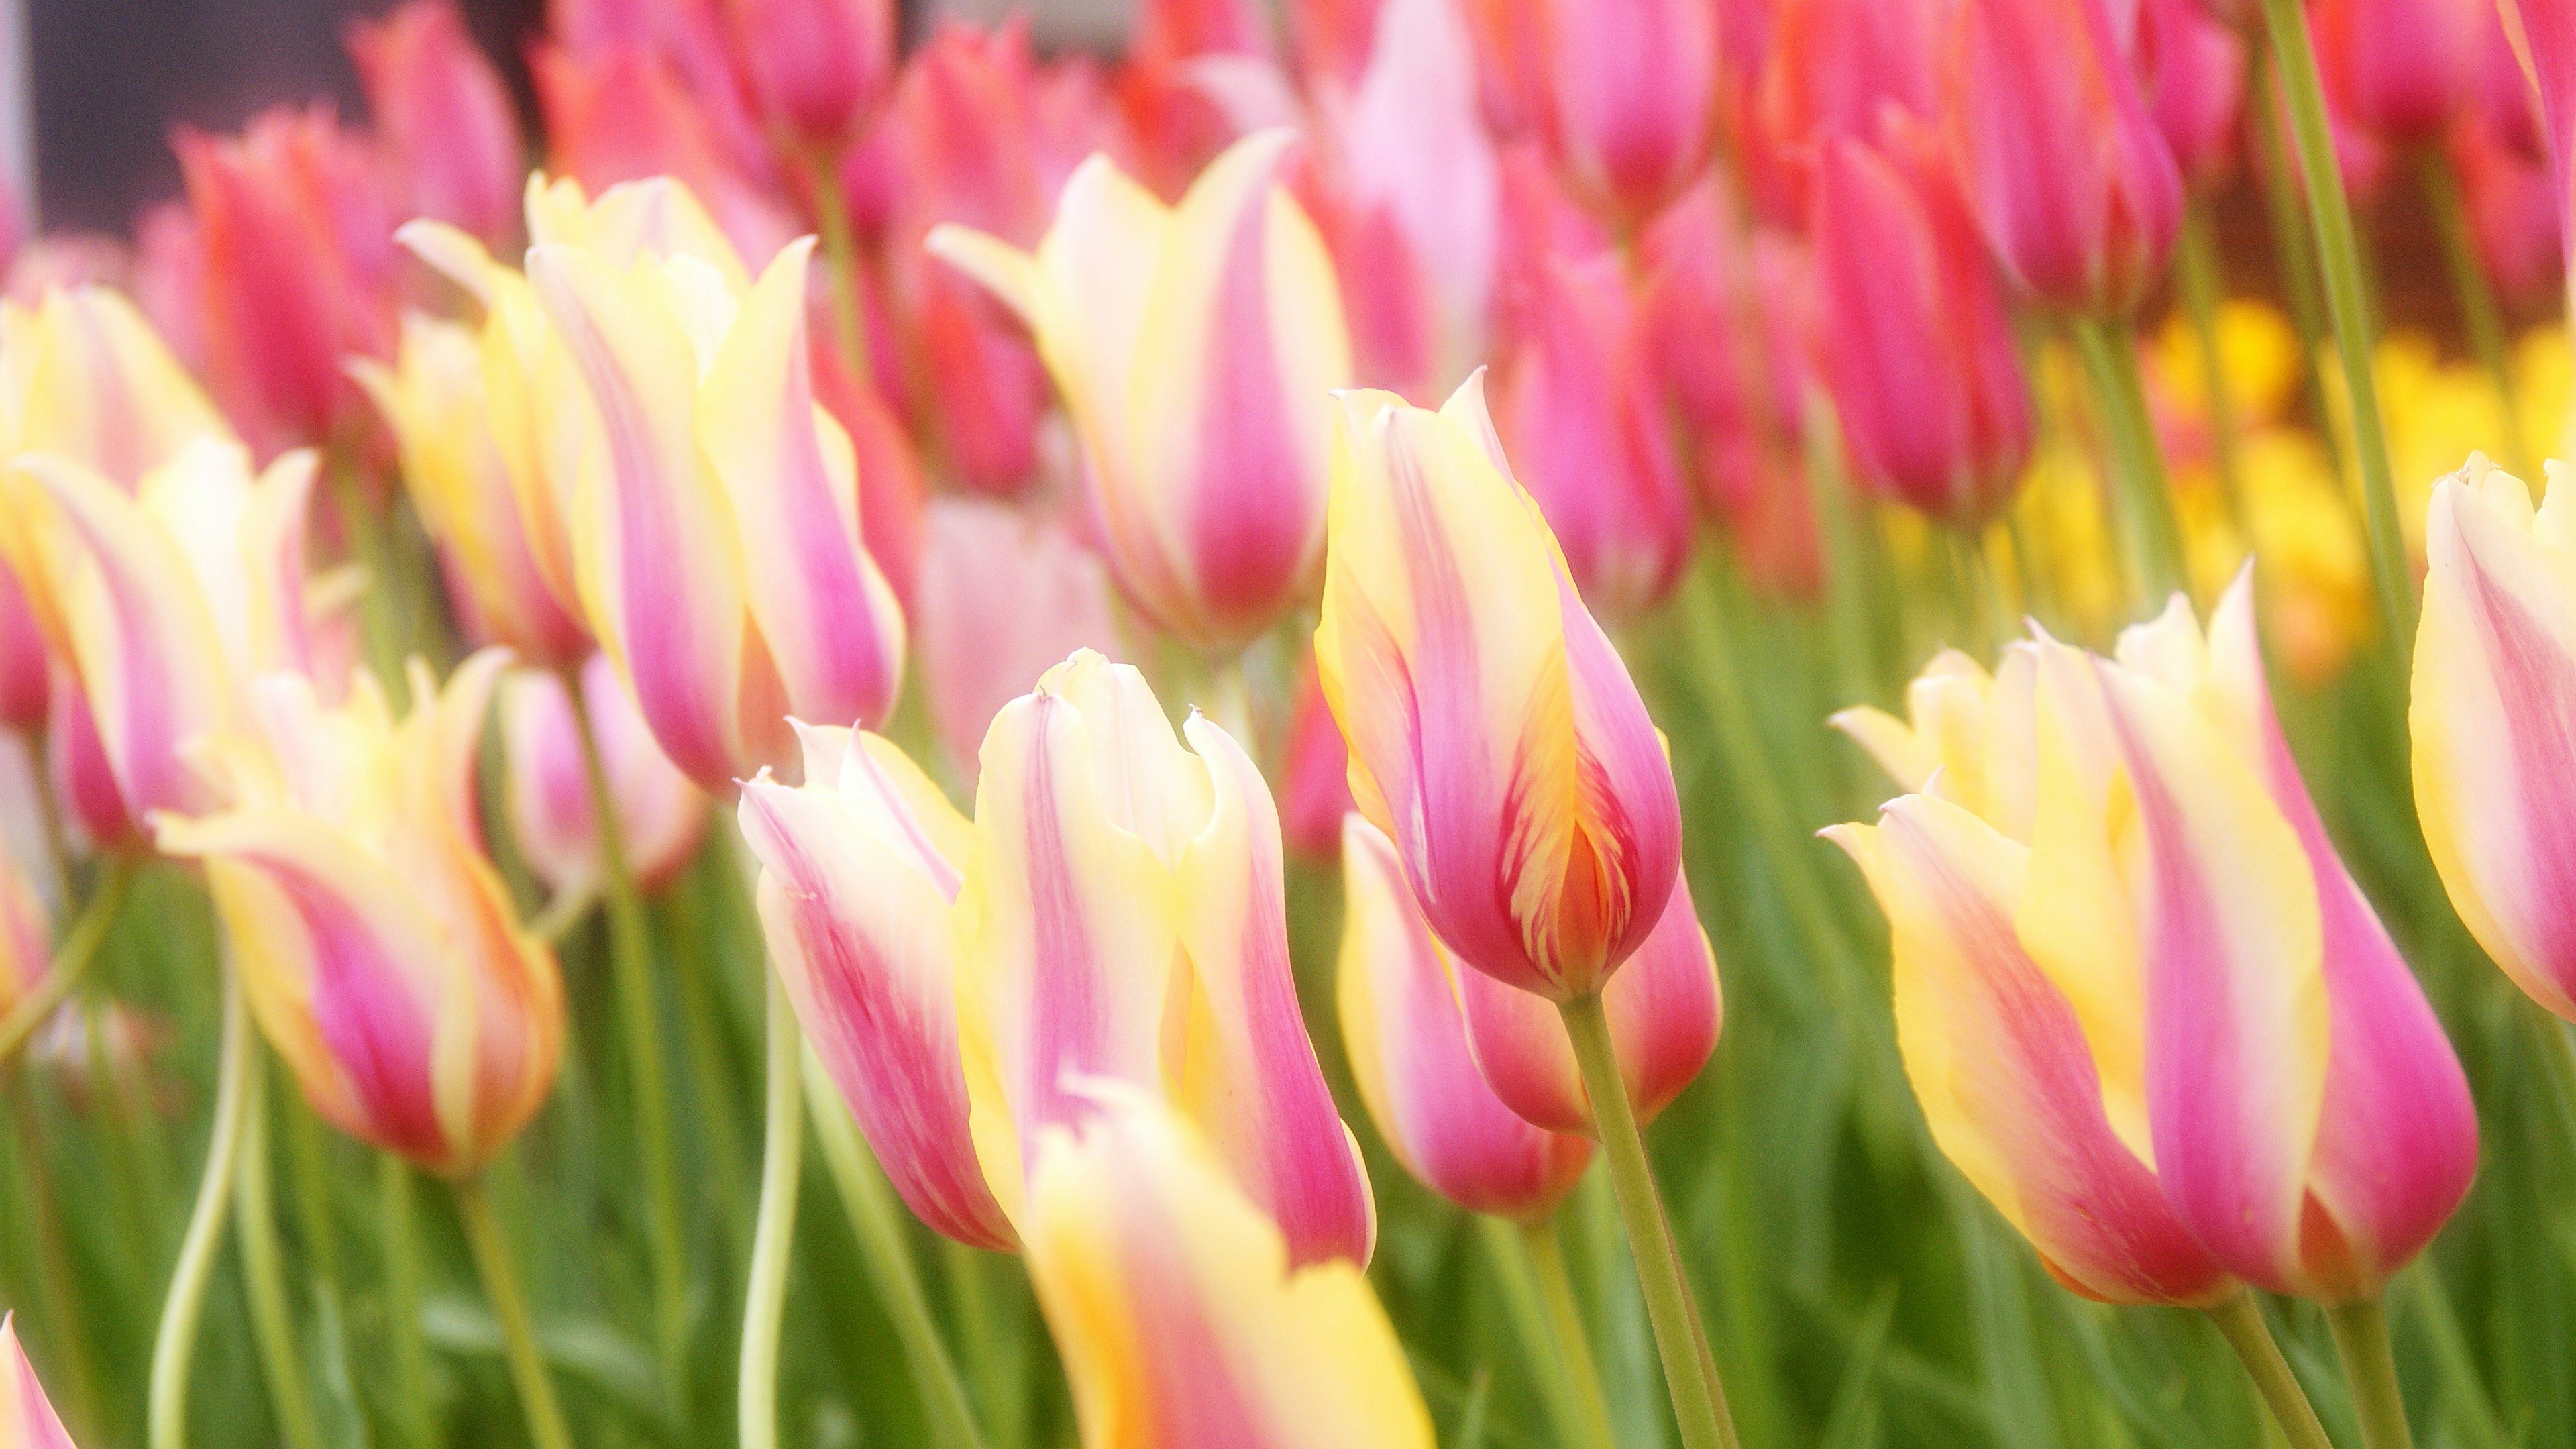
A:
27, 1418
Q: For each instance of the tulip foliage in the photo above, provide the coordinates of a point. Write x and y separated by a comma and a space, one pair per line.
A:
1589, 723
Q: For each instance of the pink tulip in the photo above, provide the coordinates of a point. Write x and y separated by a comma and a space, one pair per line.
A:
2194, 69
1834, 68
27, 1418
2402, 69
1623, 92
891, 487
816, 70
2545, 38
626, 113
23, 664
443, 116
1912, 336
1314, 776
2058, 157
79, 772
2512, 206
1006, 594
660, 815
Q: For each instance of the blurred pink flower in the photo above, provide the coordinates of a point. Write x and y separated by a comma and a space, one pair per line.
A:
1006, 594
443, 118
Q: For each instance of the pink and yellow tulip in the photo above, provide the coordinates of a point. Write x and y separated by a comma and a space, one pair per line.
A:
25, 669
660, 814
1406, 1035
714, 456
27, 1418
1495, 736
379, 950
82, 374
1193, 347
1184, 1316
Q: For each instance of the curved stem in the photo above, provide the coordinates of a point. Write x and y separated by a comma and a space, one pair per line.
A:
2240, 1319
281, 1358
175, 1345
875, 1221
2478, 311
2339, 255
2370, 1371
2154, 543
841, 254
782, 1151
518, 1336
1573, 1344
1699, 1401
72, 959
410, 1356
639, 1020
562, 911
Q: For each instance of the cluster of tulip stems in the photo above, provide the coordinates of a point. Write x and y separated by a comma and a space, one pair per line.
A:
1182, 667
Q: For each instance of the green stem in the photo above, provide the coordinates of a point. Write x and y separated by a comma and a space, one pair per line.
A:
72, 959
2339, 253
518, 1336
2465, 1392
2291, 247
878, 1225
394, 1211
1515, 1280
2240, 1319
782, 1149
1699, 1400
2200, 268
639, 1020
1571, 1342
2478, 310
281, 1358
2148, 531
378, 629
175, 1345
998, 1384
2370, 1371
841, 254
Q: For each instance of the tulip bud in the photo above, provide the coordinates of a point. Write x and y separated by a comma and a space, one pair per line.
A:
1624, 94
2058, 158
2401, 68
816, 70
1912, 335
2194, 68
379, 950
23, 663
1182, 1315
1005, 594
660, 815
1104, 850
2512, 210
1190, 346
2494, 668
1580, 411
1495, 736
461, 485
1315, 776
27, 1418
1834, 68
443, 116
721, 556
2544, 39
1407, 1041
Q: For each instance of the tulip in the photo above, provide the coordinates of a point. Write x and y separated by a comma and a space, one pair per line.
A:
1833, 68
1913, 338
79, 772
2493, 666
461, 484
379, 950
2059, 160
1580, 410
443, 116
1495, 736
89, 379
891, 487
1182, 1316
1314, 775
23, 663
2544, 38
1104, 849
660, 814
859, 867
27, 1418
1664, 1009
1192, 346
2194, 68
296, 240
1005, 593
1624, 94
815, 70
2401, 68
720, 556
1407, 1040
169, 599
2512, 210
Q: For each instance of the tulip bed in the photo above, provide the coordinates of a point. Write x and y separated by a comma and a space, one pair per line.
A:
1427, 722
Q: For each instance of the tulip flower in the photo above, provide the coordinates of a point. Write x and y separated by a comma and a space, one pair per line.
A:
460, 482
295, 238
1102, 844
2401, 68
2059, 160
79, 772
1580, 410
2544, 38
660, 813
1495, 736
815, 70
1912, 335
859, 867
1833, 68
1407, 1040
1005, 594
1624, 94
24, 666
719, 557
1191, 346
2512, 209
27, 1418
89, 379
443, 116
170, 598
1182, 1316
2194, 67
379, 950
1314, 775
2493, 665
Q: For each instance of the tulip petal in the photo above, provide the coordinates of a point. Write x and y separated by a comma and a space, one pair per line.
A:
27, 1418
